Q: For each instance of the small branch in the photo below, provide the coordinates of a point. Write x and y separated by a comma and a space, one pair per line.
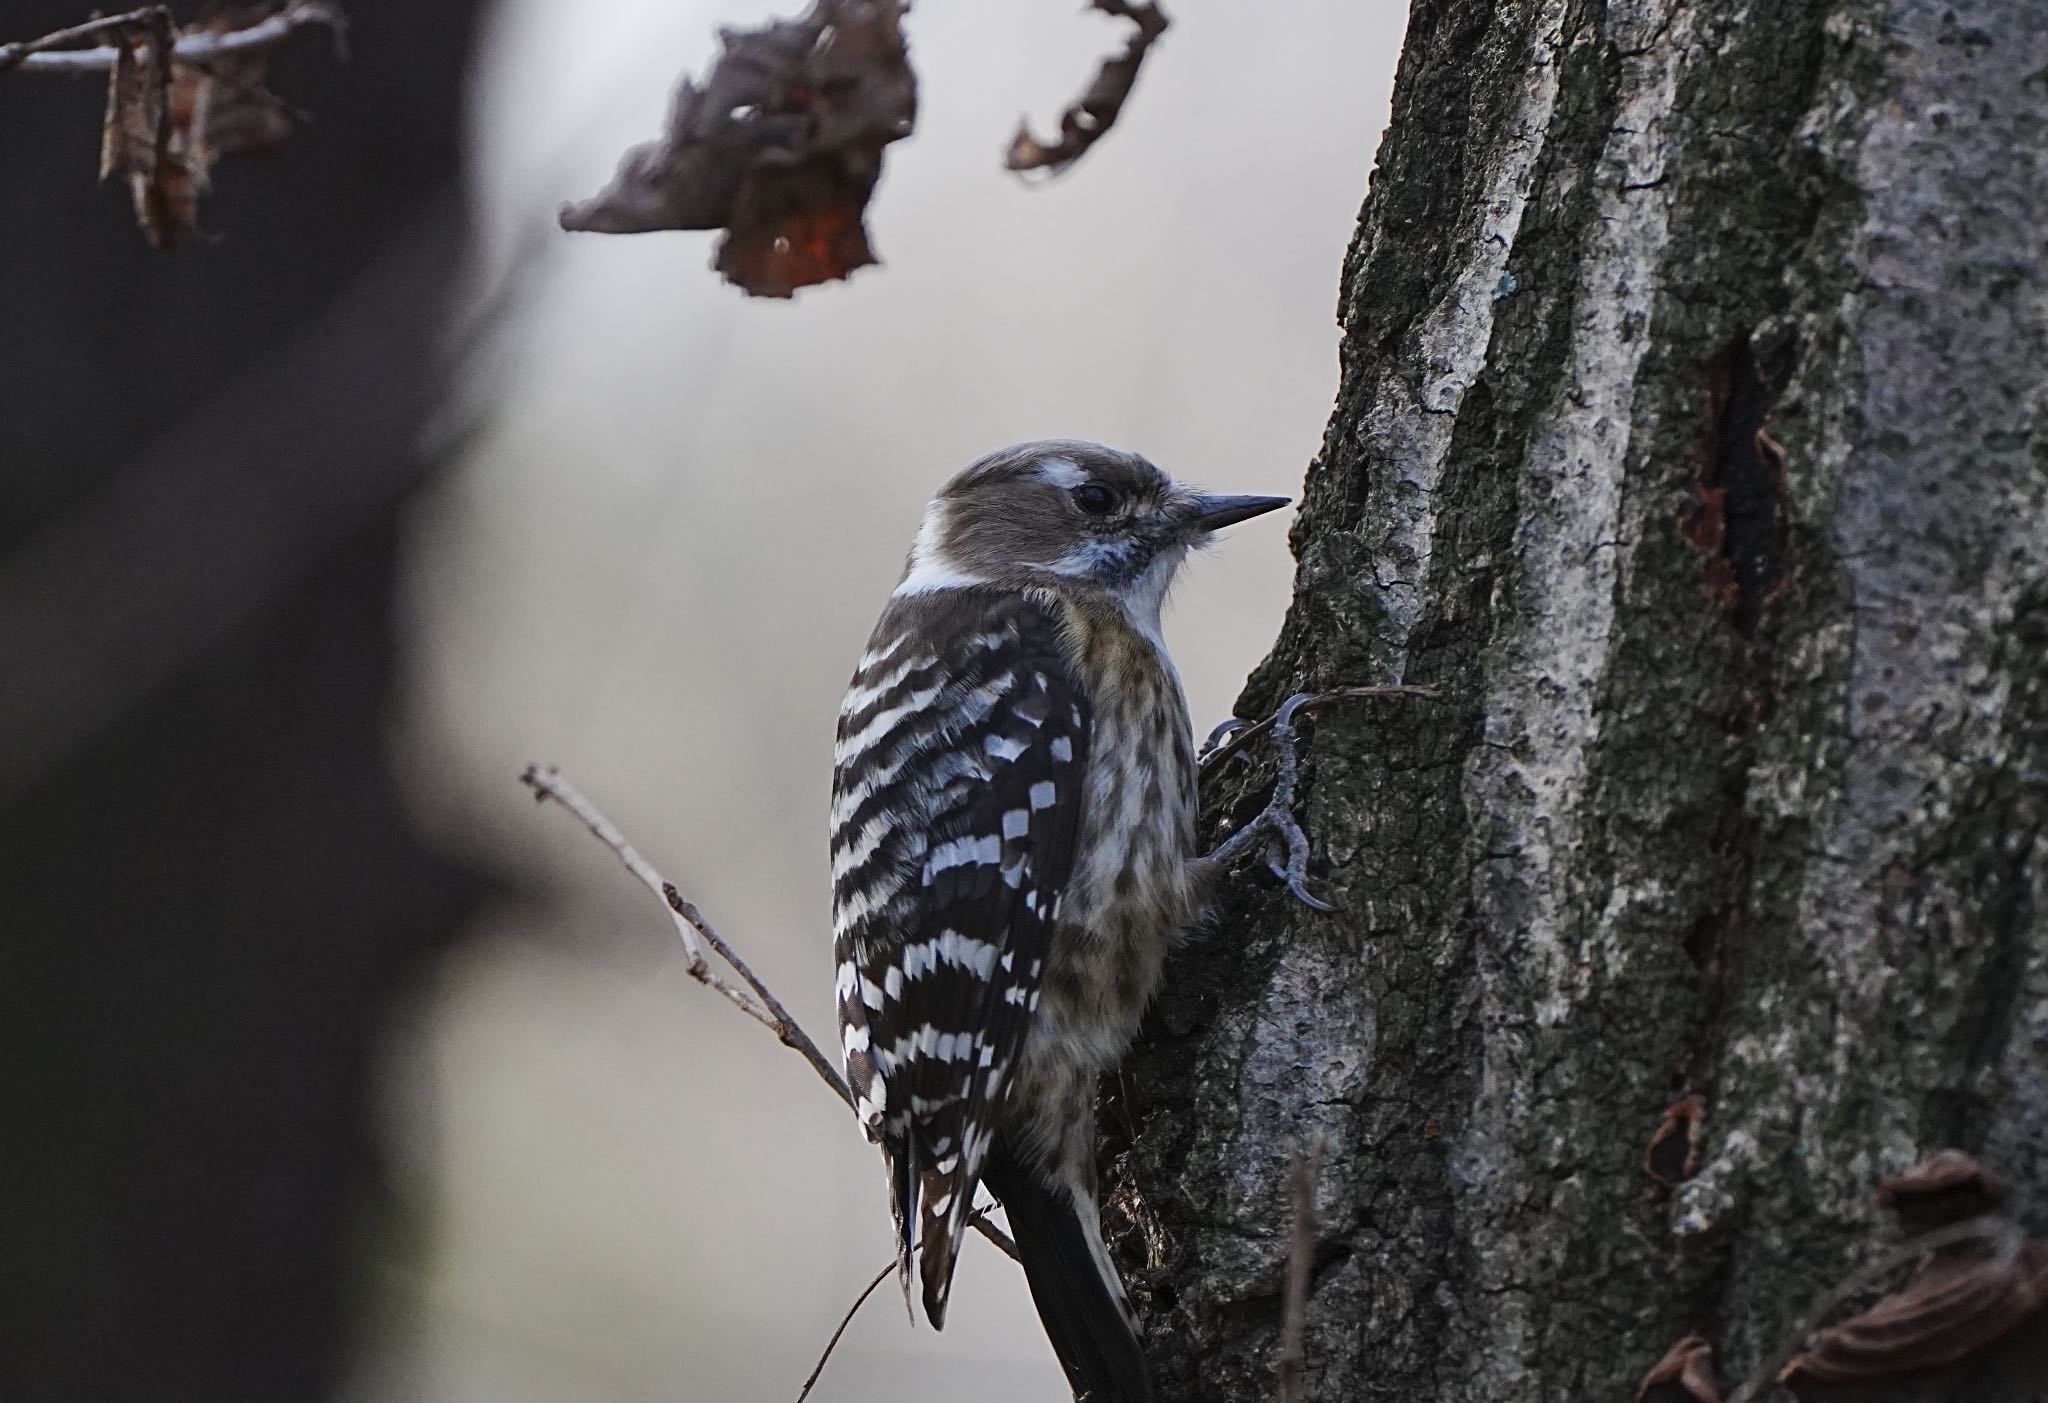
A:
1300, 1260
833, 1343
1089, 119
786, 1027
15, 55
50, 54
547, 783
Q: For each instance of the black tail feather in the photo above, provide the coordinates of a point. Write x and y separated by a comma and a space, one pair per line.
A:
1083, 1314
903, 1207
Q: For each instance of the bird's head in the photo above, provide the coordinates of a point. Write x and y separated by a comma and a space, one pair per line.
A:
1063, 514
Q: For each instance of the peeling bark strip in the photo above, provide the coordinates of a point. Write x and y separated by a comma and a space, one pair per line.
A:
1689, 443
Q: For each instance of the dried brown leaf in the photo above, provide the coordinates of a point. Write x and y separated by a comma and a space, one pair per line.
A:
135, 135
169, 118
1684, 1375
1088, 120
781, 147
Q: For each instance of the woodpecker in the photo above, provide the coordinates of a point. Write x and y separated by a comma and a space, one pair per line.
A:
1013, 854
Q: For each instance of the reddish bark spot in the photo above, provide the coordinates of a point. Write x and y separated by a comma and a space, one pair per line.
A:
1674, 1152
1684, 1375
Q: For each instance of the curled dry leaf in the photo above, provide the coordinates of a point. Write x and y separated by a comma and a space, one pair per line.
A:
174, 107
1088, 120
1684, 1375
781, 147
1946, 1188
1961, 1305
1674, 1152
135, 137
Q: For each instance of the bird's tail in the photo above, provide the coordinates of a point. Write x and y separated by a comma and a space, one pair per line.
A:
1080, 1300
944, 1202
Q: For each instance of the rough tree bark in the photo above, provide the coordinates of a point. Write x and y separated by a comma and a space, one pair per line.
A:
1689, 440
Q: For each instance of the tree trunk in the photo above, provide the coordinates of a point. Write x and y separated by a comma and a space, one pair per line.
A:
1689, 443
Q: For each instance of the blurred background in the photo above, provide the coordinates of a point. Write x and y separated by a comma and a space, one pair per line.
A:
337, 1068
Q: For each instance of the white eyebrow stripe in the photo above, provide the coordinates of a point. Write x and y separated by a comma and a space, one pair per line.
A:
1061, 472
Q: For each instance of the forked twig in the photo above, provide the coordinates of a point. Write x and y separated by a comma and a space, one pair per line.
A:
547, 783
1300, 1259
696, 932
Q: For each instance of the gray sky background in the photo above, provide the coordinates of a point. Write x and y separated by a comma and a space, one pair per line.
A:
656, 568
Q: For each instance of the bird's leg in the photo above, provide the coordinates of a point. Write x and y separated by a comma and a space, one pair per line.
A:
1275, 826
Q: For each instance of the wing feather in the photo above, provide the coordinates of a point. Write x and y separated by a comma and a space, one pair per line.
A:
957, 804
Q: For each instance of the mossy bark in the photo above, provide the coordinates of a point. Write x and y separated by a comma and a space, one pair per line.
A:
1690, 441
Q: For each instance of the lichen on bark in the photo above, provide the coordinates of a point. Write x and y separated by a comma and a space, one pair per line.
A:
1689, 442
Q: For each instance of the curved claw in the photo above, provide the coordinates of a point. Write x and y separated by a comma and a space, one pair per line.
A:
1285, 715
1299, 887
1293, 873
1285, 846
1222, 733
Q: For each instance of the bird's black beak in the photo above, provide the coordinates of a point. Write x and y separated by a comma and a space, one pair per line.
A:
1215, 513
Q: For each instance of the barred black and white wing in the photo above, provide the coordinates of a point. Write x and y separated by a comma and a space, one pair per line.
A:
957, 799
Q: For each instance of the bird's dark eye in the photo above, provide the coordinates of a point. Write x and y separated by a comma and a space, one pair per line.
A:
1095, 499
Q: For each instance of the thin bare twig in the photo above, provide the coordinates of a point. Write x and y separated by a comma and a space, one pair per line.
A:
1301, 1249
50, 53
547, 783
833, 1343
786, 1027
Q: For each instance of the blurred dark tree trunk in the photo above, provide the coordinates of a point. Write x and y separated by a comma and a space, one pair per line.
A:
1691, 441
208, 893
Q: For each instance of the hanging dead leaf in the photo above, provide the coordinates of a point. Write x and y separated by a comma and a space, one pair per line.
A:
781, 147
136, 133
178, 100
1088, 120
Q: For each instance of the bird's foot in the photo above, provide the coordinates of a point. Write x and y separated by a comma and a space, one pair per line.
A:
1274, 827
